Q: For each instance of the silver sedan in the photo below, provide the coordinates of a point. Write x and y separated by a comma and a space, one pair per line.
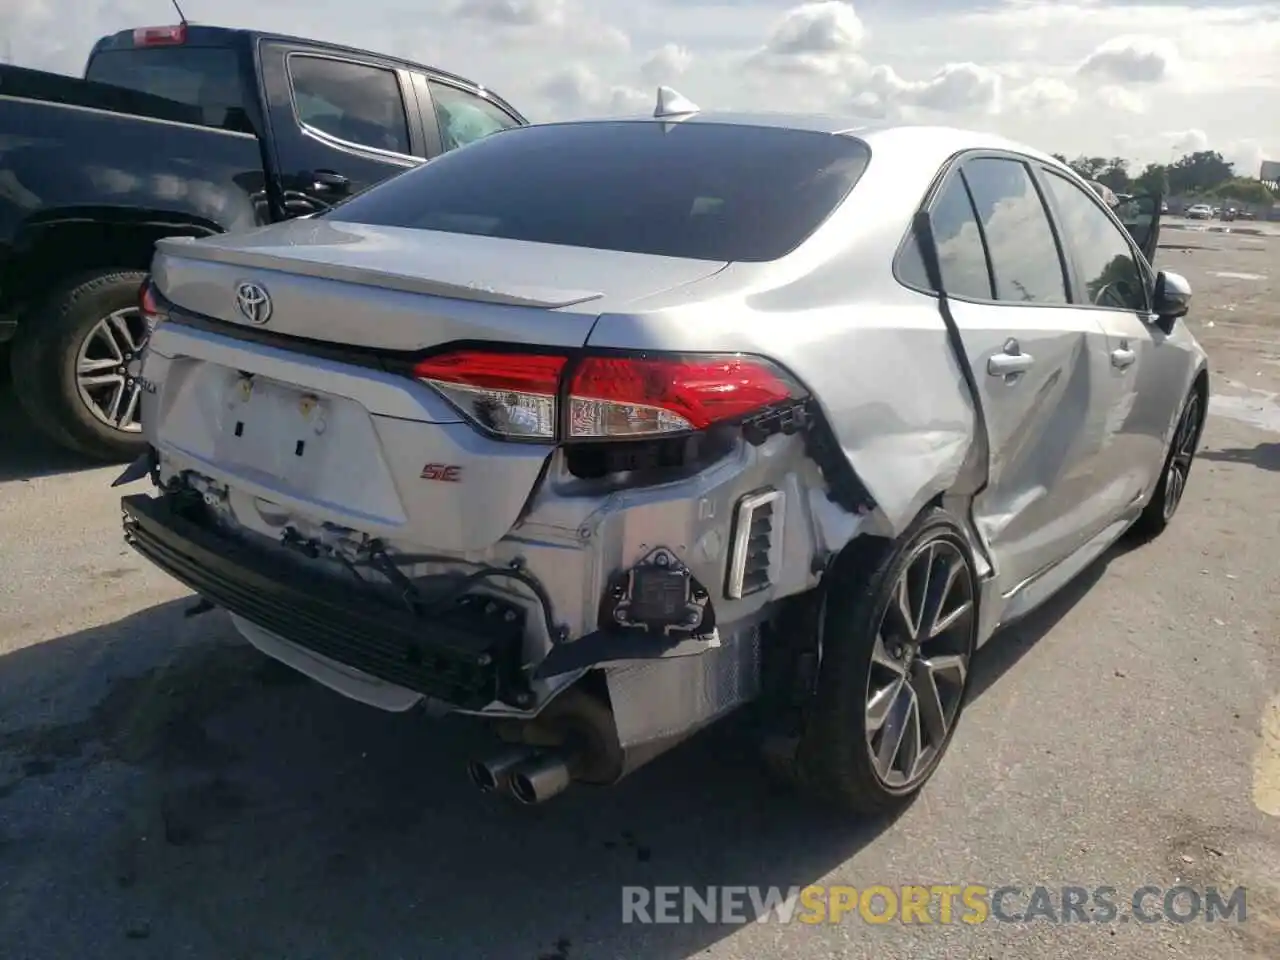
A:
600, 430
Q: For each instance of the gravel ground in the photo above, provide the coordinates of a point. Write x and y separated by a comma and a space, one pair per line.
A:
165, 792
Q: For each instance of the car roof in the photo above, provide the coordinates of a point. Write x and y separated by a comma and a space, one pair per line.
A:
928, 138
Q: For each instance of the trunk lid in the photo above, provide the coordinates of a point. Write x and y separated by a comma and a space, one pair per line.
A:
401, 289
301, 439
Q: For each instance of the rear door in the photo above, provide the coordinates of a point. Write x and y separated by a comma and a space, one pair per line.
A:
340, 123
1036, 359
1145, 378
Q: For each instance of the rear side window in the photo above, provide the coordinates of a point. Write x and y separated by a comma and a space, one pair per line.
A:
702, 191
961, 255
204, 77
353, 102
1024, 255
464, 118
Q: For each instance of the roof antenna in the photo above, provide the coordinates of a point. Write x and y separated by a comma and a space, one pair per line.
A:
182, 17
673, 104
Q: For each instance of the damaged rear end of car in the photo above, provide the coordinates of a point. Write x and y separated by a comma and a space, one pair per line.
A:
431, 465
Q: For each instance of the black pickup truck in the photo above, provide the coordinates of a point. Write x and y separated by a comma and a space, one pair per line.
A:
185, 130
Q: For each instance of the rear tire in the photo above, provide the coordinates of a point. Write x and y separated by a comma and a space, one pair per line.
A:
1172, 485
898, 634
80, 327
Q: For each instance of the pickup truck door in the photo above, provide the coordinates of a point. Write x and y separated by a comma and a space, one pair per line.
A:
339, 123
1141, 217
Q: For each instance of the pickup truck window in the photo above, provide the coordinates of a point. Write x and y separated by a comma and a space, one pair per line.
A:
204, 77
463, 117
353, 102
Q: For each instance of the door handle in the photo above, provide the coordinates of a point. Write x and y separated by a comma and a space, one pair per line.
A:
1011, 362
1122, 358
329, 180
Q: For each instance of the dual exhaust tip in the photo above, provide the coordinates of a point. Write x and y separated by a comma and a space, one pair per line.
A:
527, 774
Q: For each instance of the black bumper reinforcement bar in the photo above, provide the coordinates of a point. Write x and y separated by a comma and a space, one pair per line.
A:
467, 657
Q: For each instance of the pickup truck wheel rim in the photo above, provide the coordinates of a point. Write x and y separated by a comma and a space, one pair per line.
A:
919, 663
105, 367
1184, 451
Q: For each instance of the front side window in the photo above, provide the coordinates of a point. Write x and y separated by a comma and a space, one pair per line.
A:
353, 102
703, 191
1024, 256
1108, 268
464, 118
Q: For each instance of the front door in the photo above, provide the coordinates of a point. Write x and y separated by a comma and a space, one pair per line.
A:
1145, 378
339, 124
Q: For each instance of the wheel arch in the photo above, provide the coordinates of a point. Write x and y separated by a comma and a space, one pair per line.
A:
50, 250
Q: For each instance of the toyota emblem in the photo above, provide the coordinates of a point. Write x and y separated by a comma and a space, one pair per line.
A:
253, 303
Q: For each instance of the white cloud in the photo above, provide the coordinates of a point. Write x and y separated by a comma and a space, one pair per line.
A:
1120, 99
666, 63
1065, 75
517, 13
1188, 141
1130, 60
821, 37
577, 90
1044, 95
956, 88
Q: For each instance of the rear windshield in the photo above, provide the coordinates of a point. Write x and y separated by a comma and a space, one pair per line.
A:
703, 191
205, 77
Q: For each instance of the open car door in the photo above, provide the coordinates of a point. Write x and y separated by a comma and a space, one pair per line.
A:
1141, 217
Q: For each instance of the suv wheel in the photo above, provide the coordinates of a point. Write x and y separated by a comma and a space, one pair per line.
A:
898, 634
74, 363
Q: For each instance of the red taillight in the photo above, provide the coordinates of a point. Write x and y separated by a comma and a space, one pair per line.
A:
160, 36
510, 394
609, 397
149, 305
620, 397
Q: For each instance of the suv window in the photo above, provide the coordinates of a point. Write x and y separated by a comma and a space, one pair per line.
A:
463, 117
205, 77
961, 255
1108, 269
351, 101
701, 191
1025, 262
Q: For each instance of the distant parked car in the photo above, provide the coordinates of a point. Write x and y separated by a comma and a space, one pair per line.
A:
1200, 211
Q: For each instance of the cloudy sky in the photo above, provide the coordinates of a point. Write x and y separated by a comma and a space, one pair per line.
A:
1144, 79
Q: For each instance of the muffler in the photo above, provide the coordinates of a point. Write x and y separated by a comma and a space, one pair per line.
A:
540, 778
494, 774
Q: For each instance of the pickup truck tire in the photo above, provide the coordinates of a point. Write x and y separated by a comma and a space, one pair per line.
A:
52, 342
899, 628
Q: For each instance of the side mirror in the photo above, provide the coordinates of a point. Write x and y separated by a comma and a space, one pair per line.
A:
1171, 299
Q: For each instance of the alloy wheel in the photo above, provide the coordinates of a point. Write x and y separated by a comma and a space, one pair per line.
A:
106, 369
919, 664
1180, 456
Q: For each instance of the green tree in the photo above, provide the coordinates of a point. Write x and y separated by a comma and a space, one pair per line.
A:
1116, 175
1091, 168
1153, 179
1199, 172
1244, 190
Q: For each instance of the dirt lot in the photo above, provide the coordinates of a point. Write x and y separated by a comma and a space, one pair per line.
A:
165, 792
